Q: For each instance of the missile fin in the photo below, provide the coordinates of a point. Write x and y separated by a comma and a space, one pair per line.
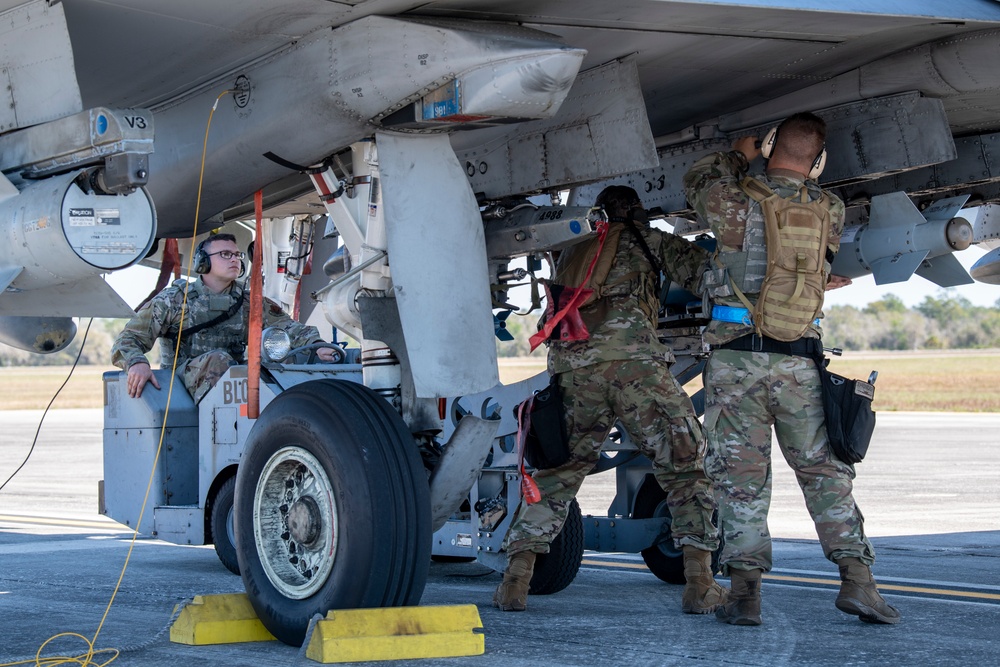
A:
945, 209
893, 210
945, 270
898, 268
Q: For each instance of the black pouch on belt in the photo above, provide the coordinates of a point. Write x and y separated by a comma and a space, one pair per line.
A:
850, 420
546, 445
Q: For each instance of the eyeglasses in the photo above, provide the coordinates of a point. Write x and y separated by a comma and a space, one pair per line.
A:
228, 254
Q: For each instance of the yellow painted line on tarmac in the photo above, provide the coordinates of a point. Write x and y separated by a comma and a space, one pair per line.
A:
974, 595
64, 522
614, 563
980, 595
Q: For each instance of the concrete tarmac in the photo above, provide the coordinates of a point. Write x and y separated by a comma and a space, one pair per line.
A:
930, 490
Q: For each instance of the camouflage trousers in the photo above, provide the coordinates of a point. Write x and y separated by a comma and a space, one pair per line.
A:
659, 417
746, 393
203, 372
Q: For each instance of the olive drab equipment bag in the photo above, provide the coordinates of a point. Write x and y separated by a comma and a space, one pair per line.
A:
796, 232
579, 279
571, 269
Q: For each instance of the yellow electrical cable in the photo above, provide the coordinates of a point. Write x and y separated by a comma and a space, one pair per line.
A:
85, 659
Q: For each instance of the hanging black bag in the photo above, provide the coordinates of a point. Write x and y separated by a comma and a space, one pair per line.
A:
545, 444
850, 420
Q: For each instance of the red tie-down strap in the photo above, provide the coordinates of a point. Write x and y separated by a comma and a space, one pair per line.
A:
529, 489
568, 302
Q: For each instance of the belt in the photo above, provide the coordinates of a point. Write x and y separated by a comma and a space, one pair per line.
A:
803, 347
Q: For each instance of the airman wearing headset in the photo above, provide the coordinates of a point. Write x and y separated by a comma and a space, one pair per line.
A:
216, 323
754, 383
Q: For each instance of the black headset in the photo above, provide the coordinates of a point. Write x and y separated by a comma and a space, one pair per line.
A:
767, 147
202, 260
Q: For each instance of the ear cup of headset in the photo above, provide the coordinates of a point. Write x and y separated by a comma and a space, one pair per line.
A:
767, 146
202, 262
818, 165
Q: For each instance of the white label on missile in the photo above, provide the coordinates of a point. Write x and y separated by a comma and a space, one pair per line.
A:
849, 233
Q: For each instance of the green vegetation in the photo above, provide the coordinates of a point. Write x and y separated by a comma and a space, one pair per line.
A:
938, 323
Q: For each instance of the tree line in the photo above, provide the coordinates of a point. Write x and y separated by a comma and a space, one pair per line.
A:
937, 323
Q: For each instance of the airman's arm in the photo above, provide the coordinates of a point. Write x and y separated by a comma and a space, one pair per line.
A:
710, 171
300, 334
139, 335
683, 261
137, 338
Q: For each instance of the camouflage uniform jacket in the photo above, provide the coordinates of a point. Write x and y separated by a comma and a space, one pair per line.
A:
619, 325
160, 318
713, 188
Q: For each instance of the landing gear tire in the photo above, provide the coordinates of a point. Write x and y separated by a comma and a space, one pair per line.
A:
557, 569
332, 507
663, 559
221, 523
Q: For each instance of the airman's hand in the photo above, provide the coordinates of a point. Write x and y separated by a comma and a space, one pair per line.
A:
748, 146
327, 354
138, 375
835, 281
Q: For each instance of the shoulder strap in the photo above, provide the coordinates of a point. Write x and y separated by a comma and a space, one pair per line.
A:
642, 244
646, 251
755, 189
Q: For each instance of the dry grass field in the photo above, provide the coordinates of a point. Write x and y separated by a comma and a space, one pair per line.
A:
946, 381
953, 381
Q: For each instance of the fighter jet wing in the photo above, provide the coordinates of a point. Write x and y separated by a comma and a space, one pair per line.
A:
90, 297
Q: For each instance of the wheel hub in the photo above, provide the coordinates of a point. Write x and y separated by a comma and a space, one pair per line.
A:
295, 522
304, 521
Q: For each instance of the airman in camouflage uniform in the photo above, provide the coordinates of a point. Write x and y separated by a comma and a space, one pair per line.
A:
622, 372
753, 383
204, 356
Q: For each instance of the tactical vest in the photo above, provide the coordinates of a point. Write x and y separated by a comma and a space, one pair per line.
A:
571, 269
225, 328
796, 232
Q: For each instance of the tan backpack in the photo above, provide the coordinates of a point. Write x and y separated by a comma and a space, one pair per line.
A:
796, 232
571, 269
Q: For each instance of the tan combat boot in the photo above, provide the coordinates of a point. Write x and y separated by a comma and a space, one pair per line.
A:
859, 595
743, 607
512, 593
702, 595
